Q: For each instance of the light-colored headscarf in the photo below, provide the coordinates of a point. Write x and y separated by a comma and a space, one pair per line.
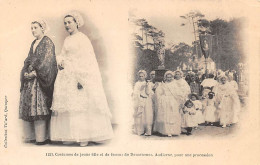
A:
142, 71
77, 16
168, 72
179, 72
43, 24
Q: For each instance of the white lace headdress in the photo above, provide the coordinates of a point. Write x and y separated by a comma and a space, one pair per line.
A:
77, 16
43, 24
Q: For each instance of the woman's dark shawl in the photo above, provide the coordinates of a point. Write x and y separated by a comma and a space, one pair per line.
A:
43, 61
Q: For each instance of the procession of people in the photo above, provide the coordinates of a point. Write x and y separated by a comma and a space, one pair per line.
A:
179, 104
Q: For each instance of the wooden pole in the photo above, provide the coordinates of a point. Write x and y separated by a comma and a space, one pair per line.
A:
194, 31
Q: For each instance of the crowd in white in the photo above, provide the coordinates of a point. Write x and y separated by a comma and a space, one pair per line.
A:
181, 103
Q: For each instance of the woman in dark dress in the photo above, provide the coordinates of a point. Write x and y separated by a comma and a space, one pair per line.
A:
37, 82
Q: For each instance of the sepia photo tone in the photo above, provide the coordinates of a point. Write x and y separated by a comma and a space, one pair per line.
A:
190, 74
62, 97
61, 79
140, 82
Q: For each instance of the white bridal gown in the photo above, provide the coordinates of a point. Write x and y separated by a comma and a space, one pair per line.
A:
80, 115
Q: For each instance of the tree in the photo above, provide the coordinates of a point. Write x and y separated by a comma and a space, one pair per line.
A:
227, 40
192, 18
178, 55
145, 58
136, 40
227, 43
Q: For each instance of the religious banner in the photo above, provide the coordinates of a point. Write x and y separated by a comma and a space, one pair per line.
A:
206, 45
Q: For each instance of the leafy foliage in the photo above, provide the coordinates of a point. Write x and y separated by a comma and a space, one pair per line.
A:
146, 60
178, 55
227, 44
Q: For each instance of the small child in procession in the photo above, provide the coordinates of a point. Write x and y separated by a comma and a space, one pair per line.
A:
188, 117
209, 106
198, 106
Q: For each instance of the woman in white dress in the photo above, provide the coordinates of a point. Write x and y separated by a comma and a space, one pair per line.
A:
227, 101
168, 117
143, 114
183, 88
81, 112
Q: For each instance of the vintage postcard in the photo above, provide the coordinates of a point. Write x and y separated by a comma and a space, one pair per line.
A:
129, 82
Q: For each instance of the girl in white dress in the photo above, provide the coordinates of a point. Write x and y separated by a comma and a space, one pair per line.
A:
210, 112
81, 112
188, 116
198, 106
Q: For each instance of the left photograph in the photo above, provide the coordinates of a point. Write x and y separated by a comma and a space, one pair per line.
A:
63, 100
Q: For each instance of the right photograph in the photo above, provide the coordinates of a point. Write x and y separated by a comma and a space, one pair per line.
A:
189, 74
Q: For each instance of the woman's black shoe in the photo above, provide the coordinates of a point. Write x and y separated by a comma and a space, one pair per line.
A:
43, 143
188, 133
29, 141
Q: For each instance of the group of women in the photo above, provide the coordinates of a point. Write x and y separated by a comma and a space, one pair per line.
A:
168, 106
62, 98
